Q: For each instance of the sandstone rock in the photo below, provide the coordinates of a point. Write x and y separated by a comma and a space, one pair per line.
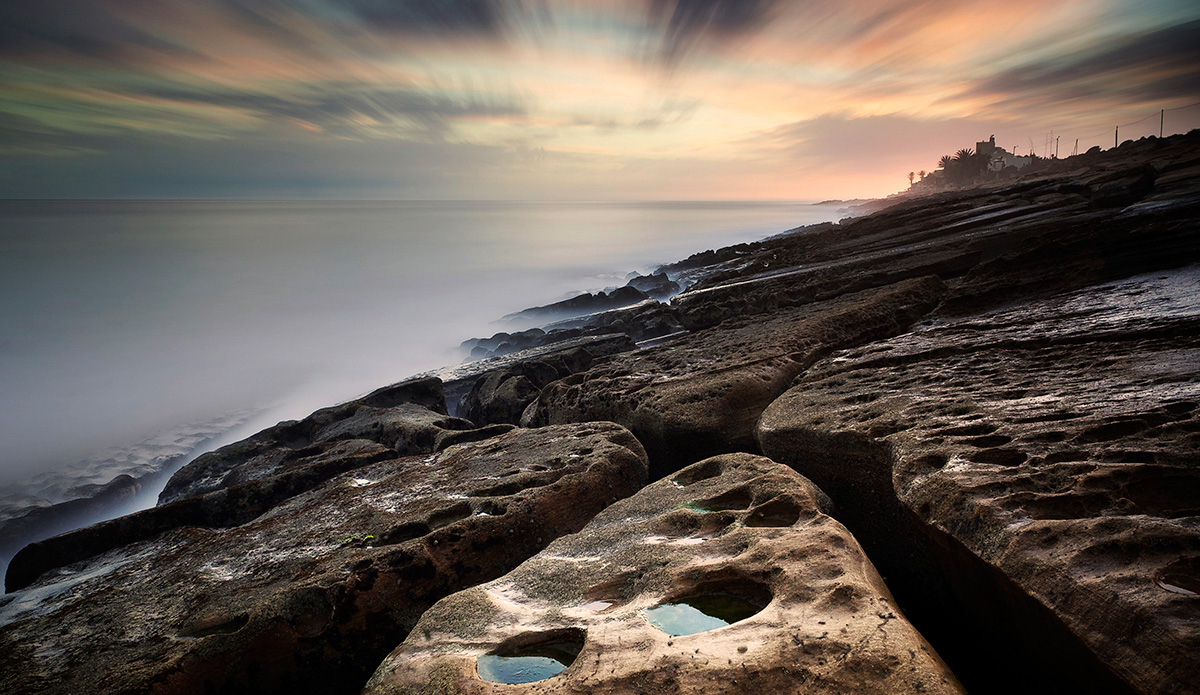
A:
1031, 475
310, 596
1078, 221
736, 525
502, 395
702, 394
571, 355
236, 502
406, 417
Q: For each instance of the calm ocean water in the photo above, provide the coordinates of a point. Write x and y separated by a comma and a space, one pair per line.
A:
131, 332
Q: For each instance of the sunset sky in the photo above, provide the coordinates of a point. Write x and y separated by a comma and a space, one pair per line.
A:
566, 99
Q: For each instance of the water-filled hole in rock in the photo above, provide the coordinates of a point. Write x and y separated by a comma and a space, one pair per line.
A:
531, 658
693, 614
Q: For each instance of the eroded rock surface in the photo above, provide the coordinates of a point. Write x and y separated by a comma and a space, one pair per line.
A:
1046, 456
311, 595
406, 417
1081, 221
735, 525
701, 394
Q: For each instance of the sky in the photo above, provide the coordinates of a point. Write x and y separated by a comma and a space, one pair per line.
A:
566, 99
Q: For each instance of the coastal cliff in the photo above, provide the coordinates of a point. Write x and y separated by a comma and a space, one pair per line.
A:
951, 444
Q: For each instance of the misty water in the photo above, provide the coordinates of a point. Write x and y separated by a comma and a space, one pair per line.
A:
134, 335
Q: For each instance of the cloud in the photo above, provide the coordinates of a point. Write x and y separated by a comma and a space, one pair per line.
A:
1154, 66
874, 143
76, 27
361, 111
684, 23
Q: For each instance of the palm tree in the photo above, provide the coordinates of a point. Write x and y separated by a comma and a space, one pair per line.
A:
910, 177
922, 174
945, 161
964, 154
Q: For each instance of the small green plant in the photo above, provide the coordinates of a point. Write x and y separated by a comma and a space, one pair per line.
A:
357, 541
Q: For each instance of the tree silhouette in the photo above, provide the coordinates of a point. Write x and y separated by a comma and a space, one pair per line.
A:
922, 174
910, 177
945, 161
963, 154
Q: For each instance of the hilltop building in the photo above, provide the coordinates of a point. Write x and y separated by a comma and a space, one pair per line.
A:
999, 158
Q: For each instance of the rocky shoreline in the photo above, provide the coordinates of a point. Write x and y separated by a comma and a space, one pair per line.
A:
952, 445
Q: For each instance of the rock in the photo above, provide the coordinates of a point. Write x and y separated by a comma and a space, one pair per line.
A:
236, 502
659, 285
502, 395
701, 394
41, 522
1069, 225
574, 354
1030, 475
384, 417
310, 596
585, 303
737, 525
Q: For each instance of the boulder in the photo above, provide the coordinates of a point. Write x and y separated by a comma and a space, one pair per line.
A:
311, 595
501, 395
1030, 477
701, 394
406, 417
798, 606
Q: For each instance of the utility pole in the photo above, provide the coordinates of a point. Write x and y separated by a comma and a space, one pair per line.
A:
1162, 115
1076, 150
1056, 146
1116, 135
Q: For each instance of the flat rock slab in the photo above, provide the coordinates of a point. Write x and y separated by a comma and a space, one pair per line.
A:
1056, 442
1073, 223
736, 525
702, 394
311, 595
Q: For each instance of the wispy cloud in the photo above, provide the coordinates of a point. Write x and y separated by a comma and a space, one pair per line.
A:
777, 88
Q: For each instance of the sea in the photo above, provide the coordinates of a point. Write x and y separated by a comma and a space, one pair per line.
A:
135, 335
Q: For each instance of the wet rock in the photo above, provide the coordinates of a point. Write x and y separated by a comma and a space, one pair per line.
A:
311, 595
702, 394
406, 417
808, 612
1039, 463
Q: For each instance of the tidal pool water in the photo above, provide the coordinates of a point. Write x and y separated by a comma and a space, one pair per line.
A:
700, 614
528, 665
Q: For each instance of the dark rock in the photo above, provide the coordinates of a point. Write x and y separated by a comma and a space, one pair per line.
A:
583, 304
1030, 476
1072, 224
502, 395
459, 379
659, 285
310, 596
702, 394
42, 522
736, 525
